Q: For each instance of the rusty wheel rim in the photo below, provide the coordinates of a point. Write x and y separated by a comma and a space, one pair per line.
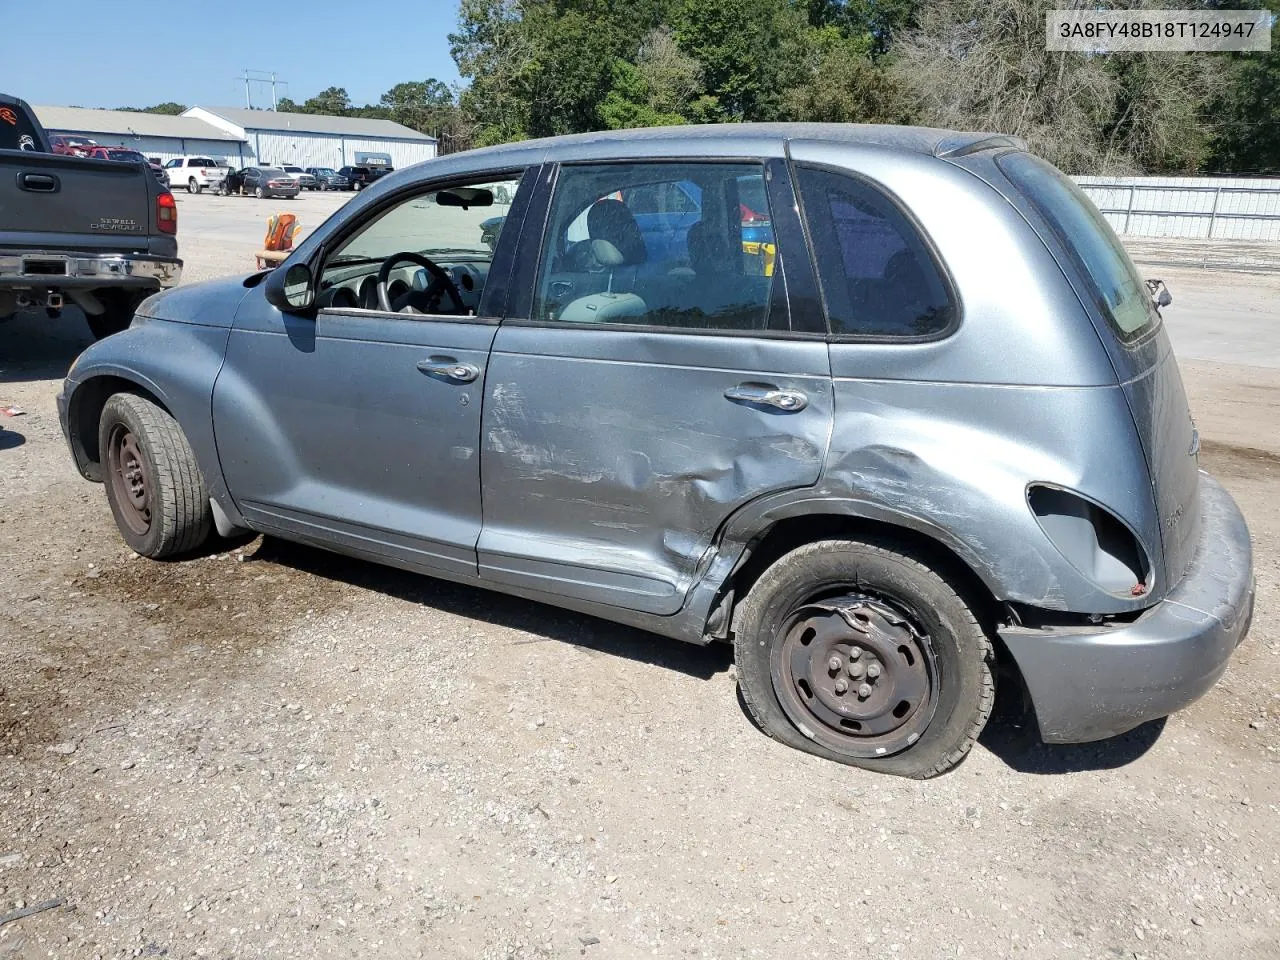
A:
130, 479
856, 674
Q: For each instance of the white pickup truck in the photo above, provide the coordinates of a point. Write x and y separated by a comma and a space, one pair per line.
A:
195, 173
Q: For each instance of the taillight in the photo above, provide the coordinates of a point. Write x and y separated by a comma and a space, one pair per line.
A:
167, 213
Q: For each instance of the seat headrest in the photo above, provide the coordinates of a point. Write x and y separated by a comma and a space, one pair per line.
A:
611, 220
709, 251
606, 254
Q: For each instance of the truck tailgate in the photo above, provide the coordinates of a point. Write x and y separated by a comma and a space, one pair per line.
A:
48, 201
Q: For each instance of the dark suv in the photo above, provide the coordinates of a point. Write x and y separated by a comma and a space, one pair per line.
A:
329, 179
358, 177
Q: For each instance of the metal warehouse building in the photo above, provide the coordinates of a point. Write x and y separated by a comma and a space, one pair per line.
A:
151, 134
246, 137
317, 141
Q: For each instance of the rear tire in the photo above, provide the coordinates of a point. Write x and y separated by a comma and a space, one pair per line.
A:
259, 192
154, 486
120, 306
193, 186
836, 607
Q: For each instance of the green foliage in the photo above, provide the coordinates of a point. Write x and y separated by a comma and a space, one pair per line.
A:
168, 108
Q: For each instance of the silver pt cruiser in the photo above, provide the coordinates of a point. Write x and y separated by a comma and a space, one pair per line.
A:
881, 406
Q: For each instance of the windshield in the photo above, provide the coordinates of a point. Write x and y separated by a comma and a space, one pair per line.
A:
125, 155
421, 225
1119, 290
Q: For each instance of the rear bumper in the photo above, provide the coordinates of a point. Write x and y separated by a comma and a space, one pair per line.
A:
1088, 683
64, 270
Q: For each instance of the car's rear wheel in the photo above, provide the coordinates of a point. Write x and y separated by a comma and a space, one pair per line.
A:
259, 192
154, 486
861, 653
193, 186
119, 306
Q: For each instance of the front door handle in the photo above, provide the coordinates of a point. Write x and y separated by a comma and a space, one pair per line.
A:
449, 368
767, 395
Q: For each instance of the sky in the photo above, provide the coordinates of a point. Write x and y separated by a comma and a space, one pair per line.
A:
197, 51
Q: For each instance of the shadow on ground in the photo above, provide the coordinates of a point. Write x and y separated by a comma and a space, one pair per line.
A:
546, 623
1013, 737
10, 439
36, 347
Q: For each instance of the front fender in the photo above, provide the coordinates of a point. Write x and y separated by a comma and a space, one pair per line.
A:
176, 363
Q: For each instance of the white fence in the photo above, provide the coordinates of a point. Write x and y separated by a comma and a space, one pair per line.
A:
1199, 208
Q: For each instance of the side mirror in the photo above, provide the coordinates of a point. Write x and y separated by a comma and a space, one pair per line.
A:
1160, 294
291, 290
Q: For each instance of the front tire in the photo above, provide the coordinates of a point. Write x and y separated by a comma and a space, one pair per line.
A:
862, 653
154, 486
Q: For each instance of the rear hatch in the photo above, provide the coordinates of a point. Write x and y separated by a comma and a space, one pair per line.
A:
49, 201
1132, 330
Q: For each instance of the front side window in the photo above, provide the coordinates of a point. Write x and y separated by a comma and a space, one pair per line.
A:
436, 248
656, 244
1088, 237
878, 277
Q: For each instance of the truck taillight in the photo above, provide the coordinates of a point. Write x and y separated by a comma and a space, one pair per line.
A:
167, 213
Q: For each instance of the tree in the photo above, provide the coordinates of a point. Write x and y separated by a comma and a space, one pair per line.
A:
982, 64
844, 85
491, 48
333, 101
168, 108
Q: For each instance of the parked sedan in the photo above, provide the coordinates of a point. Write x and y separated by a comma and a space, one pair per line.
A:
329, 179
268, 182
946, 426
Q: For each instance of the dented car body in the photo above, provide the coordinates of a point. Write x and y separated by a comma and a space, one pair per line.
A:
933, 352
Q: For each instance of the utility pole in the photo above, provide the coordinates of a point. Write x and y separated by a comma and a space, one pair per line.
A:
274, 102
248, 101
250, 77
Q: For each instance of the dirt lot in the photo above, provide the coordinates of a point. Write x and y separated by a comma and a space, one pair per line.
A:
272, 752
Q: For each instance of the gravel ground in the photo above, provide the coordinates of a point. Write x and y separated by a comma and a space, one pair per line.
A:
269, 751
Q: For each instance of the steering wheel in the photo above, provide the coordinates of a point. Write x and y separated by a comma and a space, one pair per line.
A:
424, 301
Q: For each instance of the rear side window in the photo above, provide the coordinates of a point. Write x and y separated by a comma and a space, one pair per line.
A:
877, 274
1118, 289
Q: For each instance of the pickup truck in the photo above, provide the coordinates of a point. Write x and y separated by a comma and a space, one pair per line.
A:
99, 233
195, 173
129, 156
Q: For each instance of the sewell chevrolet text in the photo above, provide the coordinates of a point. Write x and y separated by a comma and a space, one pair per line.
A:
882, 407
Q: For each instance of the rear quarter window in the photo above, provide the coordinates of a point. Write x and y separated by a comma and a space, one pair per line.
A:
17, 131
879, 279
1115, 285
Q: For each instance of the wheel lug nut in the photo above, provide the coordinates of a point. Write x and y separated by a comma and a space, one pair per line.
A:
834, 663
864, 691
856, 670
842, 685
873, 671
855, 653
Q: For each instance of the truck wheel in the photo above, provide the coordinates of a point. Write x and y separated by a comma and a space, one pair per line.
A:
193, 186
120, 306
154, 485
861, 653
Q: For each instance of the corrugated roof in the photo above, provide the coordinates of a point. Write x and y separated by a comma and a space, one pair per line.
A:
316, 123
126, 123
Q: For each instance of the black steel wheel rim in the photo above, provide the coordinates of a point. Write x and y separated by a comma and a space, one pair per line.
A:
130, 479
856, 674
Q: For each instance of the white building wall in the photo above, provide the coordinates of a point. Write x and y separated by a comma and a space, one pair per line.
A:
166, 148
330, 150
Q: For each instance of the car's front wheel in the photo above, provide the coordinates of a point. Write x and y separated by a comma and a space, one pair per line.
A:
154, 485
860, 652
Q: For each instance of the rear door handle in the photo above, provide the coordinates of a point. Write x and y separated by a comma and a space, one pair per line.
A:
449, 368
767, 395
38, 182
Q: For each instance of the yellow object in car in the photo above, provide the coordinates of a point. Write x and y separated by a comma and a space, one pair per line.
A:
767, 252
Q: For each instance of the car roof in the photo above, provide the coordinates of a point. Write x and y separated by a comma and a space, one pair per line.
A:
711, 139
